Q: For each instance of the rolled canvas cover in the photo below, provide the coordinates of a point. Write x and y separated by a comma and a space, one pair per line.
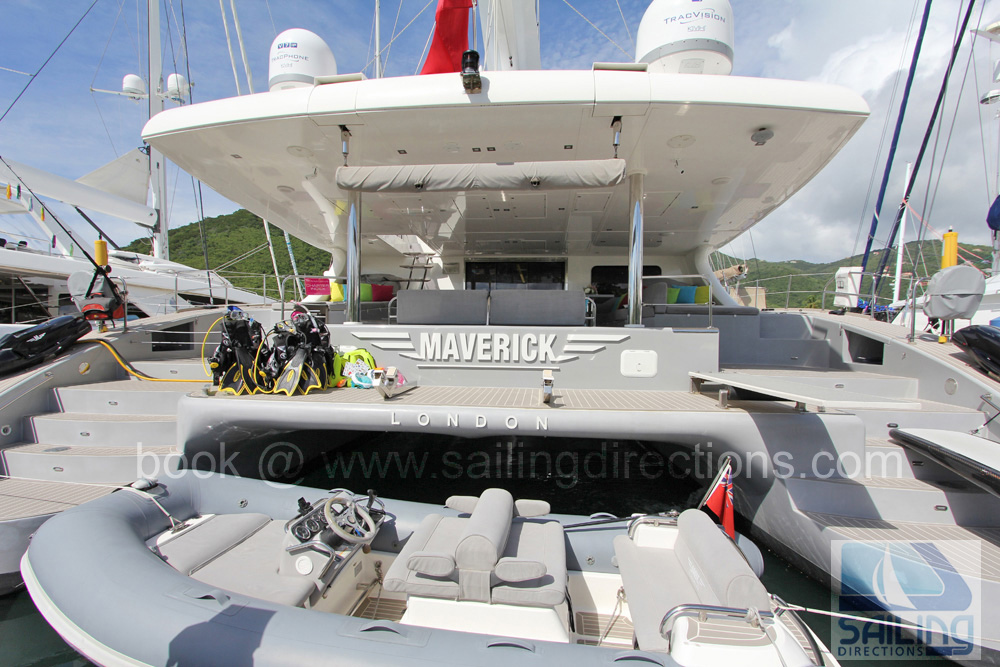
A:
527, 176
955, 293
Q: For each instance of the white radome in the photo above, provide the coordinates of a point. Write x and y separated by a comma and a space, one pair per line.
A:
686, 37
297, 57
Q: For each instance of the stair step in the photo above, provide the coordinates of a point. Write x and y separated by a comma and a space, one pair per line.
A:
901, 499
126, 397
102, 430
192, 369
930, 415
21, 499
102, 465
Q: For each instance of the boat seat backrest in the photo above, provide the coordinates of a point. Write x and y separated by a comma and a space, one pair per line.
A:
496, 555
482, 544
511, 307
466, 307
717, 571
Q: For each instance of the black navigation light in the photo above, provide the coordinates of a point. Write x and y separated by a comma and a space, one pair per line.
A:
471, 81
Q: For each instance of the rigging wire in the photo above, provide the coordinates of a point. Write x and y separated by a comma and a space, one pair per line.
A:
388, 47
51, 56
16, 71
423, 54
927, 135
982, 141
625, 23
885, 128
267, 4
399, 34
592, 25
229, 45
929, 201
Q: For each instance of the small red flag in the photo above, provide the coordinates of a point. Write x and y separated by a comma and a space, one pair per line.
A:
451, 37
720, 501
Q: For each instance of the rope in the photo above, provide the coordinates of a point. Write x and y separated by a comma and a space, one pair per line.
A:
876, 621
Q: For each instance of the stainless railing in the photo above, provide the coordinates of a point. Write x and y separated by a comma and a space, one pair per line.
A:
703, 611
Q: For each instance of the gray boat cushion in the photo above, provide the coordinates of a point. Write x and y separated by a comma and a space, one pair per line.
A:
655, 295
512, 307
482, 544
523, 507
251, 568
517, 570
955, 293
702, 545
703, 568
432, 563
543, 542
208, 540
531, 508
463, 504
441, 307
533, 553
435, 534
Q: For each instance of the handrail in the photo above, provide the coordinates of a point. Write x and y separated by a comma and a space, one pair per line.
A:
711, 295
911, 303
704, 610
669, 519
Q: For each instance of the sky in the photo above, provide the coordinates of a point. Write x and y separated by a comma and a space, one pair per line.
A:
60, 125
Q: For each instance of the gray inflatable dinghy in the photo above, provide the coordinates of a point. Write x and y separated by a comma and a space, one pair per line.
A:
229, 571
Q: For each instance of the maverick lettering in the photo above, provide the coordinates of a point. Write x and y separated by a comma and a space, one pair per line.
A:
496, 347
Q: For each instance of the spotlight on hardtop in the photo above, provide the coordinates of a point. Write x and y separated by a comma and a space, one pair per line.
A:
471, 80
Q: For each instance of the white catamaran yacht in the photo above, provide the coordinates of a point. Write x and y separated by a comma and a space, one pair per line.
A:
530, 203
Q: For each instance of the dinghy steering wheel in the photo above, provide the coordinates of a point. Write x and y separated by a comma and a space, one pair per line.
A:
351, 522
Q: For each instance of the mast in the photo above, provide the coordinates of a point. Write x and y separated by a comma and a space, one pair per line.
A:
923, 148
902, 242
895, 141
378, 39
157, 166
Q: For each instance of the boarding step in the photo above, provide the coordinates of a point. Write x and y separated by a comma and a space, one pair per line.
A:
192, 369
880, 530
878, 422
103, 430
66, 463
22, 499
854, 381
885, 458
803, 393
896, 499
126, 397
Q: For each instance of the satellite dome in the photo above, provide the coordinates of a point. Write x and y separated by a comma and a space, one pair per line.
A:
297, 58
134, 86
177, 87
686, 37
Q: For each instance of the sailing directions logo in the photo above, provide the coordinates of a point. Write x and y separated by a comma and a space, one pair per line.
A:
932, 588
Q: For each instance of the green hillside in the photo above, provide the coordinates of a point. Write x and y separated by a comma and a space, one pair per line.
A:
228, 237
232, 235
800, 284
